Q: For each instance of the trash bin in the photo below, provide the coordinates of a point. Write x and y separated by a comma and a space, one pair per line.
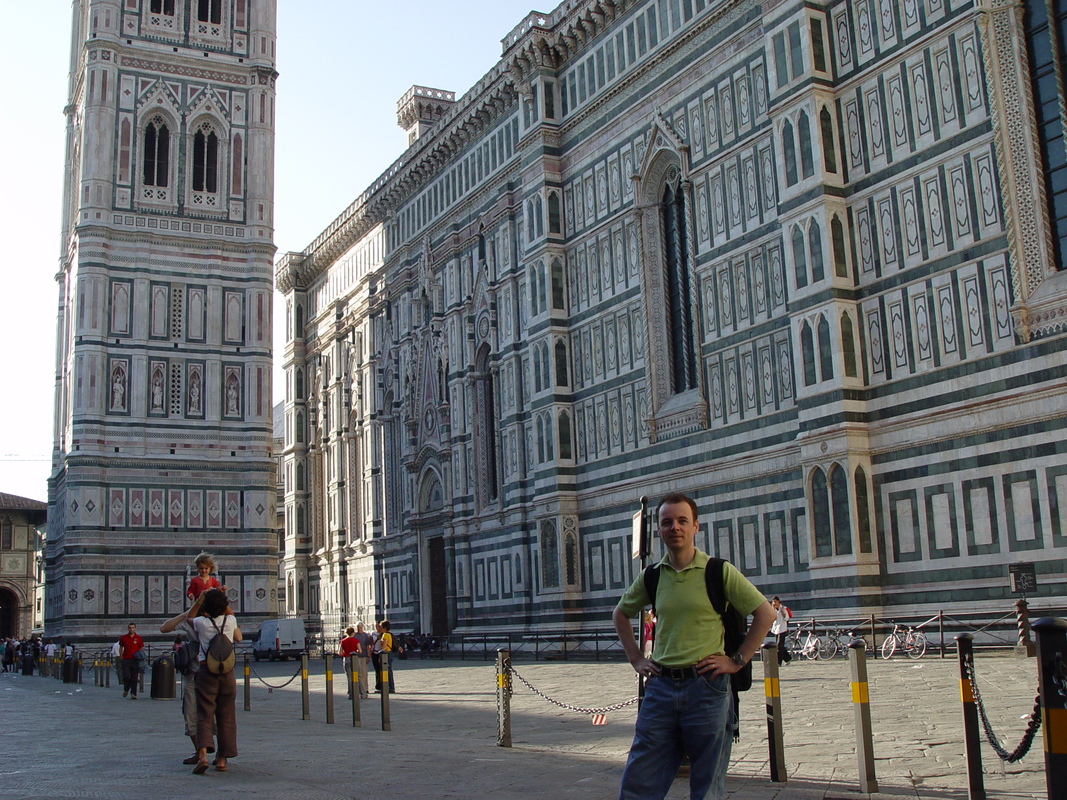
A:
27, 664
163, 678
70, 670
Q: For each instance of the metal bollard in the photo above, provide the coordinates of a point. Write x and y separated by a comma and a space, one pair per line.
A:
353, 690
503, 698
1052, 685
772, 692
1024, 647
78, 666
107, 672
972, 737
304, 687
329, 688
248, 684
387, 724
861, 703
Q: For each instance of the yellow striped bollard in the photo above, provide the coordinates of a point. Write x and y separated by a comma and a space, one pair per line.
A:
387, 724
772, 692
329, 688
861, 704
503, 698
1052, 684
304, 687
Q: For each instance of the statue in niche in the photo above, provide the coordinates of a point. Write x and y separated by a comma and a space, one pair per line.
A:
232, 395
118, 389
195, 392
157, 390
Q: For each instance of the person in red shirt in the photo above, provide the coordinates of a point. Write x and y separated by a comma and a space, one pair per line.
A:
349, 646
129, 646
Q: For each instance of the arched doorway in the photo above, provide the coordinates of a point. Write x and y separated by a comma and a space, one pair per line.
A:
431, 503
9, 613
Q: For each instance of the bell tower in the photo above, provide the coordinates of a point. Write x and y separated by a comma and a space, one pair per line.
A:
162, 439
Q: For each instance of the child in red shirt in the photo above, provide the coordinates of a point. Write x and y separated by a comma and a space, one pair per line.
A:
204, 580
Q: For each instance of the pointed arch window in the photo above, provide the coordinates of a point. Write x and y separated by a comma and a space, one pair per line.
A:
837, 238
561, 364
829, 152
549, 555
570, 558
205, 160
558, 292
485, 420
789, 148
807, 348
807, 159
863, 512
826, 359
680, 314
839, 498
566, 449
848, 347
800, 260
820, 514
815, 248
156, 161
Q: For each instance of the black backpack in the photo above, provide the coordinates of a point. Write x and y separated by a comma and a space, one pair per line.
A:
734, 625
220, 656
185, 657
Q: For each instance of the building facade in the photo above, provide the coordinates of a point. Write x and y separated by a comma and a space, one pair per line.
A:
803, 261
21, 523
163, 379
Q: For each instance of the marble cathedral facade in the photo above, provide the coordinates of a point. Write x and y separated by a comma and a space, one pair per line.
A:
803, 261
163, 378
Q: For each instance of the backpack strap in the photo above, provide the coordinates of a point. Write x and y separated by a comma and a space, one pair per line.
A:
651, 578
716, 587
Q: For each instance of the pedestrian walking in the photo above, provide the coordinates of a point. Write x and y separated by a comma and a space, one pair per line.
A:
780, 628
130, 644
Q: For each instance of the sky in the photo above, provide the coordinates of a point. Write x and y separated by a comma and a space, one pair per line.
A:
343, 64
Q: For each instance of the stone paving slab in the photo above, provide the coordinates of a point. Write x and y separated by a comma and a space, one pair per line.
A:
83, 741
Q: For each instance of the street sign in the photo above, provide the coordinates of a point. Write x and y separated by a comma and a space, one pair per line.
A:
638, 535
1023, 578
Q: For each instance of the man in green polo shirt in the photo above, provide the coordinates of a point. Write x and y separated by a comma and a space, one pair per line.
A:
688, 705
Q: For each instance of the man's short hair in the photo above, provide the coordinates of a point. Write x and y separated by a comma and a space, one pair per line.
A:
677, 497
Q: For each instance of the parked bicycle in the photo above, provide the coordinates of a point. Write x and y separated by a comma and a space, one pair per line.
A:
803, 643
911, 640
836, 642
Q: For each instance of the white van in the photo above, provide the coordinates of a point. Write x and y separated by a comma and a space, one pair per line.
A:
279, 638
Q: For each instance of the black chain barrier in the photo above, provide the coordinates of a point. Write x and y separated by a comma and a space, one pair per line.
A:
271, 686
543, 696
1032, 724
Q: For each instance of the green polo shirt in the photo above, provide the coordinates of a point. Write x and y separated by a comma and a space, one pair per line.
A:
687, 625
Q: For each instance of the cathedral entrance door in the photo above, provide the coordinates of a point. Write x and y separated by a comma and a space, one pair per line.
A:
9, 614
438, 588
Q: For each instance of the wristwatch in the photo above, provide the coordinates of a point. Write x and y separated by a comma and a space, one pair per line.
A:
738, 659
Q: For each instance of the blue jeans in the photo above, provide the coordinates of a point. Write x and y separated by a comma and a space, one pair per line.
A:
693, 717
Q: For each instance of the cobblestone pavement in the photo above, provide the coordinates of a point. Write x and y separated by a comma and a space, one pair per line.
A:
82, 741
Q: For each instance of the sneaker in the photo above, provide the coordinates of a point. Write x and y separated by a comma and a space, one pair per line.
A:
125, 692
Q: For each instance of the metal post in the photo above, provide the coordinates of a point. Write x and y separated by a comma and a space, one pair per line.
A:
972, 737
110, 668
304, 687
861, 703
386, 723
1052, 687
329, 689
775, 737
248, 684
354, 690
941, 630
1024, 648
78, 667
503, 698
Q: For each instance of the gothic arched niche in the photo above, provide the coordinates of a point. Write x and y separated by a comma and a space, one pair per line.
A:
431, 493
664, 219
